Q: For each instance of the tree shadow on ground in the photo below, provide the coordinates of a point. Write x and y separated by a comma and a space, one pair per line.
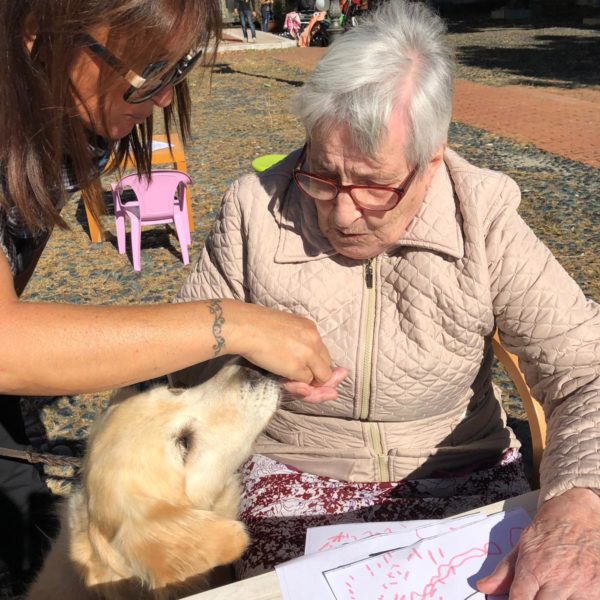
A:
477, 16
226, 69
558, 60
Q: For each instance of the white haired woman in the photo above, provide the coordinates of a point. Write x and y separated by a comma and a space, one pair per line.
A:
408, 258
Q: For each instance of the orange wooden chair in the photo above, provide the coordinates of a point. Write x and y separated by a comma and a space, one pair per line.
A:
535, 413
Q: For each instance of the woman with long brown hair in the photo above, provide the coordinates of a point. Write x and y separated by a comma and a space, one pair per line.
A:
79, 80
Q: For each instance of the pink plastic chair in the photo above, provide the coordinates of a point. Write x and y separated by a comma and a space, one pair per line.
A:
158, 201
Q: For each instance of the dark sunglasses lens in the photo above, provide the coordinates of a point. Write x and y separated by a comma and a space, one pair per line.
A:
149, 89
152, 86
138, 95
172, 77
183, 68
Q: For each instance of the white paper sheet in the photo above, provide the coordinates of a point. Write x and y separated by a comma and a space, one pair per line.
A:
327, 537
444, 567
302, 578
159, 145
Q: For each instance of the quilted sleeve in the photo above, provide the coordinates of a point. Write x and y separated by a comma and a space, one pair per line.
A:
218, 272
544, 318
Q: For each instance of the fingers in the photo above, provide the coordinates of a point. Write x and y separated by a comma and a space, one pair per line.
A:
338, 375
297, 388
559, 553
320, 365
314, 393
309, 347
308, 393
500, 580
320, 395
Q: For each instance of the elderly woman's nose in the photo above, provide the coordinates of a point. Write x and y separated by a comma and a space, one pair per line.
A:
346, 211
164, 97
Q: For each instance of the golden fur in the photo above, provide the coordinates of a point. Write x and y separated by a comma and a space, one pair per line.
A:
158, 502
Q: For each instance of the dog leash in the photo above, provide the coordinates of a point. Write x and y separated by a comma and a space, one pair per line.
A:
52, 460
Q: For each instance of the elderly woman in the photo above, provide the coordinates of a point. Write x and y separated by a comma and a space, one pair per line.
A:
409, 258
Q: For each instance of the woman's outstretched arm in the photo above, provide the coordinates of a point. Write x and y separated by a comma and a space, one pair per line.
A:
54, 349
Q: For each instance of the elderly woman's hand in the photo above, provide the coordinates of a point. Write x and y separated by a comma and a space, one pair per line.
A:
317, 393
558, 555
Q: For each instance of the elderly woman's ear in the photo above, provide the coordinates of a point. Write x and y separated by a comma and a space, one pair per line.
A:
438, 158
433, 165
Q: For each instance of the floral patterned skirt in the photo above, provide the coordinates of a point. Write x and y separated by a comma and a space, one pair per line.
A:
280, 503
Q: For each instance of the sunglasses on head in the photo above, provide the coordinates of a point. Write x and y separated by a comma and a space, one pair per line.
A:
153, 79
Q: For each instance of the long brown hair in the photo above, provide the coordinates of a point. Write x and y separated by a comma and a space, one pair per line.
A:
39, 126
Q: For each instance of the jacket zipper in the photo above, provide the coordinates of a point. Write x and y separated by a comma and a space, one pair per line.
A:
367, 365
368, 335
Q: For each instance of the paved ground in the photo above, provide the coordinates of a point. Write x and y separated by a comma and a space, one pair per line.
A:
557, 122
564, 122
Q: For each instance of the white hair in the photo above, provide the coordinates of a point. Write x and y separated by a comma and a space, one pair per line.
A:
397, 57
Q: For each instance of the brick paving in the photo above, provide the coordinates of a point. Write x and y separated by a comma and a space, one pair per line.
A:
564, 122
561, 123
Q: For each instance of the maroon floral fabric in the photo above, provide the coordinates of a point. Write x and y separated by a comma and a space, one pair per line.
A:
280, 503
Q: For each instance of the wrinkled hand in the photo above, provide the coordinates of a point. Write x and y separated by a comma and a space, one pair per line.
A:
280, 342
314, 392
558, 555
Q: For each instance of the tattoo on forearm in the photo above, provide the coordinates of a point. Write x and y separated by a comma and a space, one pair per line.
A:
215, 309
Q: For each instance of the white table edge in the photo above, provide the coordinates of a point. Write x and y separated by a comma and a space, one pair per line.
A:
266, 586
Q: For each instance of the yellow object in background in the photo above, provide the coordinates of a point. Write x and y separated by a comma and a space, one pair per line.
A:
262, 163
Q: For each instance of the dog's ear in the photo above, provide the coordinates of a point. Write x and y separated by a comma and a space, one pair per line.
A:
177, 543
200, 373
122, 394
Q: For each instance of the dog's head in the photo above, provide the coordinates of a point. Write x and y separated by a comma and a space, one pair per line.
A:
160, 479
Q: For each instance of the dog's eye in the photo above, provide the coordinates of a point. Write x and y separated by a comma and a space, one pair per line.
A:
185, 441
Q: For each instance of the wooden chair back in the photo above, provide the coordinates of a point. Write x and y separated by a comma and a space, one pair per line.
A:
535, 413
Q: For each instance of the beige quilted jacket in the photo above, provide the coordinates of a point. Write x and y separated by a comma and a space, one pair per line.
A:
413, 328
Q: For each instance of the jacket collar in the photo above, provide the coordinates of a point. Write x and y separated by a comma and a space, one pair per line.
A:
437, 227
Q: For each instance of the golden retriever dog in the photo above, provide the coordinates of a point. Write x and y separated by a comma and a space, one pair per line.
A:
158, 502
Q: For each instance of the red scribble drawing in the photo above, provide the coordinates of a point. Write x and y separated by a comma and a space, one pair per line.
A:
336, 540
436, 569
415, 552
343, 537
430, 590
449, 569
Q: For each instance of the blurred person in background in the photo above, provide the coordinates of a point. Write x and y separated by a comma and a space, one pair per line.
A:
246, 9
266, 12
